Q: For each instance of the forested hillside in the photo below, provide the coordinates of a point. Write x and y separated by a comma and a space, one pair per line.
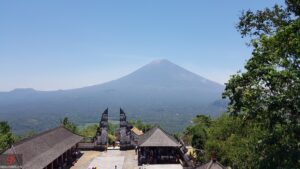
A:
261, 128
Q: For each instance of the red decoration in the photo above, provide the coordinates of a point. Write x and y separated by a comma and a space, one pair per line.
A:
10, 160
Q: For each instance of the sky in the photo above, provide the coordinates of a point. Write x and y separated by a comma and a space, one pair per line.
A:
51, 45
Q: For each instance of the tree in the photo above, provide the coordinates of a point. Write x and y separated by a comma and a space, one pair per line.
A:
6, 137
196, 135
88, 131
267, 93
232, 141
69, 125
112, 128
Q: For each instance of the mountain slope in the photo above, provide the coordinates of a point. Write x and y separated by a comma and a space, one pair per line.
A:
159, 92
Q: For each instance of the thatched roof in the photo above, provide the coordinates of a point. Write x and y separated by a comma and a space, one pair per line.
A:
212, 165
136, 131
40, 150
157, 137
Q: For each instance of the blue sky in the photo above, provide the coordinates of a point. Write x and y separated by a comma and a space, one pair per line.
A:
50, 45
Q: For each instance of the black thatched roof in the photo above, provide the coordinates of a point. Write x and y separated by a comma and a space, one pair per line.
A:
212, 165
157, 137
40, 150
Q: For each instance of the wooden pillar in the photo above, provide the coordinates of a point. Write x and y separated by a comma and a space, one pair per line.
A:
61, 159
65, 157
68, 154
57, 162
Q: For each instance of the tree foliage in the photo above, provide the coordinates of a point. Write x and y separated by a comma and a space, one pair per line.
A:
267, 93
69, 125
262, 126
227, 137
6, 137
196, 134
233, 141
88, 131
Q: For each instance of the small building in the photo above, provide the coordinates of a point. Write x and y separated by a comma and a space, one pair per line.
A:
158, 147
136, 131
212, 164
48, 150
136, 134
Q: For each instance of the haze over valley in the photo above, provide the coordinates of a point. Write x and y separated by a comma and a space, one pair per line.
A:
160, 92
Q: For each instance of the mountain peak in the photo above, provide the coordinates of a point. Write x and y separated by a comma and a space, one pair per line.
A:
163, 73
161, 61
161, 64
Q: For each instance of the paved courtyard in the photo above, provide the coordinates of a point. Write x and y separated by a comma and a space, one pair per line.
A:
107, 162
85, 160
163, 166
112, 158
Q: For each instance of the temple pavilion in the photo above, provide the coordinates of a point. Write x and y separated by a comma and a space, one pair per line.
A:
51, 149
158, 147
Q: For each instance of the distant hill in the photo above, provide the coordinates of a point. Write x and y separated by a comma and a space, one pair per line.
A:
159, 92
